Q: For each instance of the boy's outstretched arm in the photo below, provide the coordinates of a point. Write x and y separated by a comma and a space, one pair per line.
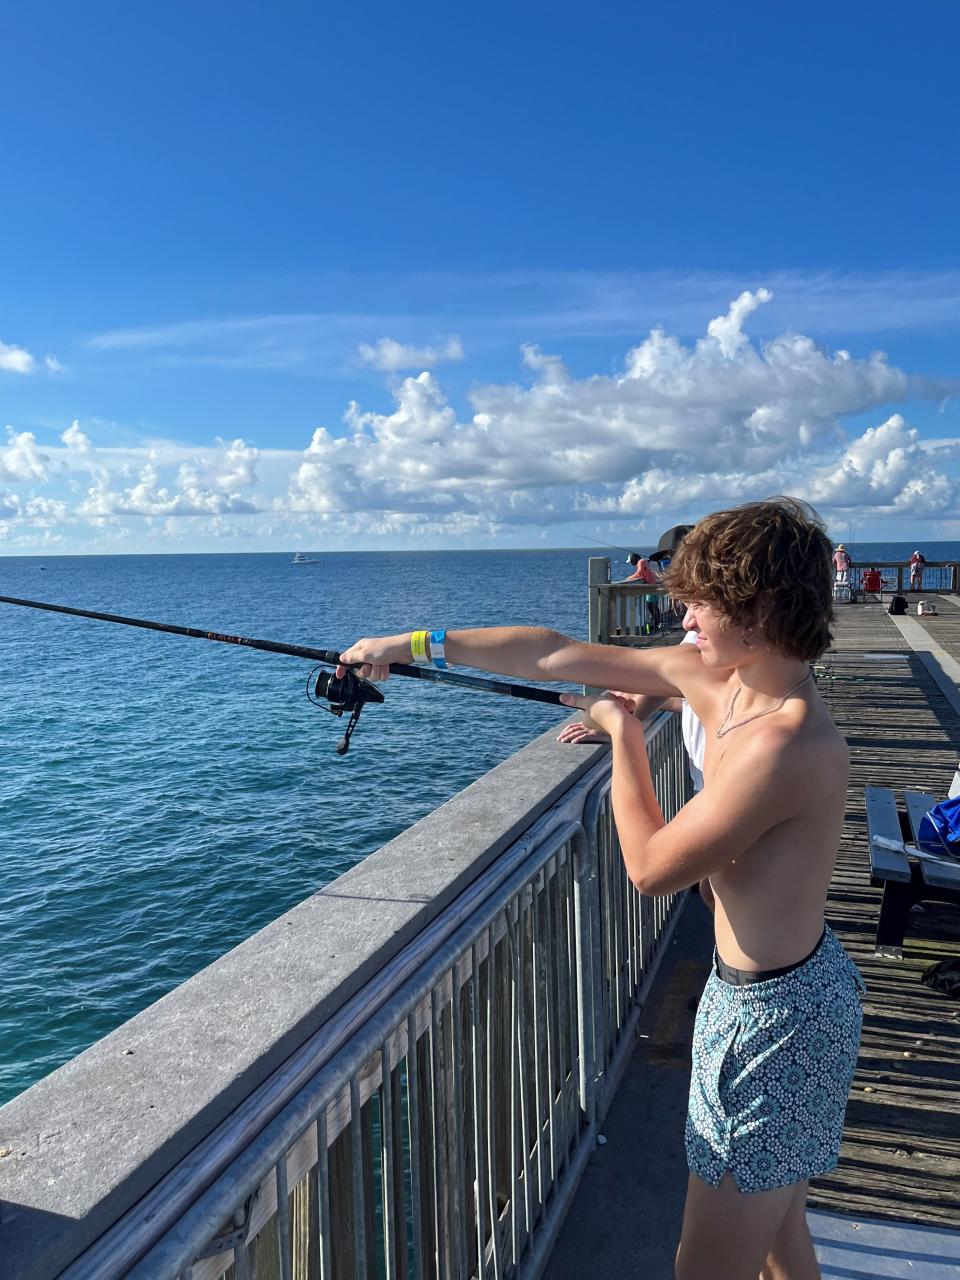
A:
537, 653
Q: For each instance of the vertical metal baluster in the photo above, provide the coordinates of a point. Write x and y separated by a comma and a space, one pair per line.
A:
413, 1117
283, 1219
650, 931
441, 1219
549, 890
585, 933
591, 1020
391, 1230
607, 926
476, 1061
636, 954
635, 945
519, 1188
572, 1005
526, 1153
538, 959
323, 1197
629, 930
492, 985
562, 1002
619, 879
630, 908
456, 1027
359, 1194
241, 1262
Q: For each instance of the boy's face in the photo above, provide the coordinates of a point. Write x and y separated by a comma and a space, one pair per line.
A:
721, 644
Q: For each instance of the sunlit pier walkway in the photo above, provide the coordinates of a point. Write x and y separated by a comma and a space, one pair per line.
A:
893, 1206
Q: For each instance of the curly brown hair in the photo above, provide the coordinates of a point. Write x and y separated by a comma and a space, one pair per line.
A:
764, 565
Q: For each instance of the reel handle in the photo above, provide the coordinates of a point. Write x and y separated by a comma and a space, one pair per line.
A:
348, 693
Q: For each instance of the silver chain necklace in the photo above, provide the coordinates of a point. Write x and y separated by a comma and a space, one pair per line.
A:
726, 727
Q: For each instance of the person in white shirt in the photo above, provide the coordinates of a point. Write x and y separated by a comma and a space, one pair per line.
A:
691, 727
646, 705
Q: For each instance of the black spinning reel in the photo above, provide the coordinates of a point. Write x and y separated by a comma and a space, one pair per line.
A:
340, 694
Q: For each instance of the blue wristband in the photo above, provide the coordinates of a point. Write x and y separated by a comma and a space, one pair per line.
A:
437, 655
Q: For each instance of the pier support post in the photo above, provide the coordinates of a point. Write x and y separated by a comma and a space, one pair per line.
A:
598, 576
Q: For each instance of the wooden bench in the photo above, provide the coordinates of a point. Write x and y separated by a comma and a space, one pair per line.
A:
905, 876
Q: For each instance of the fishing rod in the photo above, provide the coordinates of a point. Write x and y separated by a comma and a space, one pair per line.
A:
612, 545
654, 555
347, 693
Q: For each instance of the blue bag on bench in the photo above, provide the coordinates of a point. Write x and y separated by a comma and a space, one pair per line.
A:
939, 828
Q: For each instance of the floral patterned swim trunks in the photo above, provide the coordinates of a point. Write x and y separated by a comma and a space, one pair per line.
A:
773, 1063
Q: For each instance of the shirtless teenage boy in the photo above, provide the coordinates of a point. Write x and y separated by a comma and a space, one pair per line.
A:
778, 1027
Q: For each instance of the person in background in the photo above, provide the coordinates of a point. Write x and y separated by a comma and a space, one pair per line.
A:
841, 561
694, 740
645, 572
917, 562
646, 705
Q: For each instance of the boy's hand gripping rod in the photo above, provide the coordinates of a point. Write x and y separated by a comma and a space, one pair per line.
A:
349, 694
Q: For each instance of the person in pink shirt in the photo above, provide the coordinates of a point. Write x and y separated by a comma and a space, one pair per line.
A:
917, 562
643, 570
842, 562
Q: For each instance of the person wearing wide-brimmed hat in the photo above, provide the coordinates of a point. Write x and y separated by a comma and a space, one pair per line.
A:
917, 563
842, 562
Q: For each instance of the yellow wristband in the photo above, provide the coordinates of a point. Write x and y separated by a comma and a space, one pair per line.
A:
418, 646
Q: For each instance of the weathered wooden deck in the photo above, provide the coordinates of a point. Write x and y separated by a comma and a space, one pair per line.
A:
901, 1154
900, 1161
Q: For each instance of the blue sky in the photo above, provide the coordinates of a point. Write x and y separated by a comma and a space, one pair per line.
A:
224, 225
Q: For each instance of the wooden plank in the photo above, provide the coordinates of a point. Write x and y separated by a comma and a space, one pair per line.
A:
883, 821
901, 1157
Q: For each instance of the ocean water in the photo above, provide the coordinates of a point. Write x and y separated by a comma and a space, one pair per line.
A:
162, 798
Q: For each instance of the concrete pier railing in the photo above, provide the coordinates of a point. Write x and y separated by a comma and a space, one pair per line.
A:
401, 1077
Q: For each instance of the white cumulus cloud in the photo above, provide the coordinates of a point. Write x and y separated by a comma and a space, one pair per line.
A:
20, 459
15, 359
680, 428
75, 438
678, 424
390, 356
149, 497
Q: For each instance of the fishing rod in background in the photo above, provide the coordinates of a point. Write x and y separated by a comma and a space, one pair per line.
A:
613, 546
347, 694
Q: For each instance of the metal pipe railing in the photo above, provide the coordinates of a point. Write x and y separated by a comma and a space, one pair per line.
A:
440, 1131
936, 575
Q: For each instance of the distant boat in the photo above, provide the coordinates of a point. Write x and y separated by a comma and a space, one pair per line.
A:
300, 558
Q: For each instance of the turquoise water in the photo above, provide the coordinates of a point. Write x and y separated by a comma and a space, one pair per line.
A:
162, 798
